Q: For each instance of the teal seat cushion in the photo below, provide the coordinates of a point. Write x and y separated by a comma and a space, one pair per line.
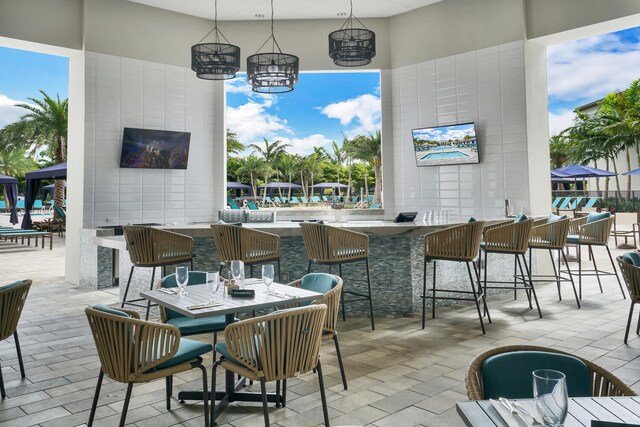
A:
187, 350
189, 326
573, 239
520, 218
11, 285
597, 216
237, 224
554, 218
318, 282
631, 258
221, 348
509, 374
110, 310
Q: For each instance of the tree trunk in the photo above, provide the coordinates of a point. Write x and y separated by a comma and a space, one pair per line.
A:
628, 158
376, 191
290, 180
366, 184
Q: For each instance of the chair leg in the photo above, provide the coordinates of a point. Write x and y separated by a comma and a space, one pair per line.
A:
373, 326
339, 355
526, 290
573, 285
126, 289
579, 251
484, 296
424, 292
555, 273
278, 402
475, 298
626, 333
515, 281
284, 392
342, 303
433, 295
153, 276
533, 289
125, 408
279, 271
216, 363
595, 267
616, 272
15, 337
251, 270
94, 405
169, 390
2, 391
323, 397
205, 393
265, 405
309, 267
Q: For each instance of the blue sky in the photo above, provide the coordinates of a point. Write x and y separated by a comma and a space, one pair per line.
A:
320, 109
586, 70
23, 74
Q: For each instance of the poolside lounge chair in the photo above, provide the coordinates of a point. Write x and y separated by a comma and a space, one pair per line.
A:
565, 202
315, 199
252, 206
20, 204
277, 201
556, 202
304, 200
295, 201
285, 200
3, 205
268, 201
234, 205
325, 199
375, 206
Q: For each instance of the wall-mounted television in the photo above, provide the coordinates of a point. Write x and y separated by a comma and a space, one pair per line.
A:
446, 145
154, 149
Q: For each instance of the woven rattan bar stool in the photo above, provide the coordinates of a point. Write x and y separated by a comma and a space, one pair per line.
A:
331, 246
631, 274
250, 246
511, 238
153, 247
460, 243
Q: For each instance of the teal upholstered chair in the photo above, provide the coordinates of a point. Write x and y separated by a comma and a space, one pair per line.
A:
12, 299
630, 266
506, 372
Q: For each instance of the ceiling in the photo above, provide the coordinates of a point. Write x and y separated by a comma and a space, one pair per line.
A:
231, 10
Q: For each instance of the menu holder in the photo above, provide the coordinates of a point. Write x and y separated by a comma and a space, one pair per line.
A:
242, 293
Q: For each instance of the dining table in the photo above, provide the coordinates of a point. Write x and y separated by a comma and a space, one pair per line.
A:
604, 411
197, 303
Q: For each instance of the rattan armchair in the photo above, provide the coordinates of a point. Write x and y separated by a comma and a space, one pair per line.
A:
274, 347
137, 351
510, 238
327, 245
153, 247
552, 236
631, 275
596, 233
602, 382
459, 243
12, 299
245, 244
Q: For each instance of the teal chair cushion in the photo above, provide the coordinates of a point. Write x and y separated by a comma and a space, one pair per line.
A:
10, 285
238, 224
631, 258
573, 239
318, 282
509, 374
189, 326
554, 218
520, 218
110, 310
221, 348
597, 216
187, 350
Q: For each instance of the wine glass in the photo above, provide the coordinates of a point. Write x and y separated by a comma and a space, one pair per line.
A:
182, 278
550, 393
213, 283
237, 272
267, 276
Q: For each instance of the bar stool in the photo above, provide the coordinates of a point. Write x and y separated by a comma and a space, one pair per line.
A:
552, 235
331, 246
511, 238
593, 230
630, 266
250, 246
152, 247
459, 243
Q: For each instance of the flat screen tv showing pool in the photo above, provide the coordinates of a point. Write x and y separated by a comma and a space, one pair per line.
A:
154, 149
446, 145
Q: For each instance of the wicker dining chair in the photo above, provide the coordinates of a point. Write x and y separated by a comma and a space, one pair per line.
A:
153, 247
631, 275
511, 238
250, 246
274, 347
600, 382
327, 245
138, 351
459, 243
12, 299
331, 286
593, 230
551, 234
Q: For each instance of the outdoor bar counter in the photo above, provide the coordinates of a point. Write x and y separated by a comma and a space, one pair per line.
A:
395, 259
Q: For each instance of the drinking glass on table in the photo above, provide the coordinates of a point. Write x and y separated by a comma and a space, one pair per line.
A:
550, 393
182, 278
237, 272
213, 283
267, 276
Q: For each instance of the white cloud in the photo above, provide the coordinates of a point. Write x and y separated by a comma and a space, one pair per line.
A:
588, 69
251, 122
9, 113
304, 146
363, 112
560, 121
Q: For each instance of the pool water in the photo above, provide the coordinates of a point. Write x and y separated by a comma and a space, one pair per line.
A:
444, 155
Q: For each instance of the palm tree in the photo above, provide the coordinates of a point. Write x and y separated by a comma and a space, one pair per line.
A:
338, 156
252, 167
271, 152
288, 165
233, 145
369, 149
15, 162
310, 166
46, 124
559, 151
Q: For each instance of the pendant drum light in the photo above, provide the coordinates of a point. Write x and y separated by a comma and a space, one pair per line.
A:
272, 72
217, 60
352, 46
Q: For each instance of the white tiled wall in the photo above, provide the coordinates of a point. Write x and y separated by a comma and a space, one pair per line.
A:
122, 92
487, 87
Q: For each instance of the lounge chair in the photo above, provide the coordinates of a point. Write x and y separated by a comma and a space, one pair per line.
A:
295, 201
234, 205
20, 204
285, 200
556, 202
304, 200
3, 205
565, 202
277, 201
591, 202
13, 234
252, 206
325, 199
315, 199
375, 206
268, 201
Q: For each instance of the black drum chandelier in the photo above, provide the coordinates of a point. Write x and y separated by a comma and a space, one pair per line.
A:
272, 72
352, 46
217, 60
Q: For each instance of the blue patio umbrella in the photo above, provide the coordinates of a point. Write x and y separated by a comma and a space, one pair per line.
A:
632, 172
555, 173
576, 171
271, 187
11, 190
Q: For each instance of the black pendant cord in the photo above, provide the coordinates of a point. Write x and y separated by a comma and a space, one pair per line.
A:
349, 22
215, 28
272, 37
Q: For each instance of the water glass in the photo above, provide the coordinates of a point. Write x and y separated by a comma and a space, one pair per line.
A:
550, 393
267, 276
182, 278
213, 283
237, 272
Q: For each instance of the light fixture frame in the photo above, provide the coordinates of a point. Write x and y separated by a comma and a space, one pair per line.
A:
352, 46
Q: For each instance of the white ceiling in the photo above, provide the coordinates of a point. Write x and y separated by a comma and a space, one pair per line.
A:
288, 9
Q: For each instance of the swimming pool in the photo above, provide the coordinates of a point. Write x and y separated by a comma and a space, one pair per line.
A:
444, 155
